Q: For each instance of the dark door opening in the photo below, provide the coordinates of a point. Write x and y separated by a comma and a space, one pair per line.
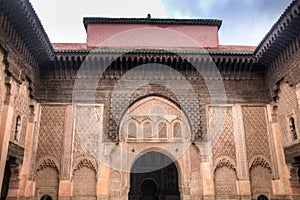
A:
154, 176
262, 197
5, 183
46, 197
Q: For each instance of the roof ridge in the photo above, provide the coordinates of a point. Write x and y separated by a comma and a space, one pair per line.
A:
175, 21
186, 51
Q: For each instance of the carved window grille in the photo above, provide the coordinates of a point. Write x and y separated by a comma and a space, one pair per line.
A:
147, 130
17, 128
292, 128
132, 130
177, 131
162, 130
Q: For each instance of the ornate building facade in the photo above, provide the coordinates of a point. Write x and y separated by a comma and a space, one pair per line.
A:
148, 108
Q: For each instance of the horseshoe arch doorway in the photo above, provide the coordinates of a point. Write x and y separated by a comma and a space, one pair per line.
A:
154, 176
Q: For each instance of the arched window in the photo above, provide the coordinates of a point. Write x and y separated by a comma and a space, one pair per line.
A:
177, 132
147, 130
17, 128
292, 127
262, 197
162, 130
132, 130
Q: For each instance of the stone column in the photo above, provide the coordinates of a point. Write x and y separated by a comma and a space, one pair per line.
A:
126, 182
26, 185
103, 182
5, 128
206, 170
241, 153
65, 184
207, 180
281, 184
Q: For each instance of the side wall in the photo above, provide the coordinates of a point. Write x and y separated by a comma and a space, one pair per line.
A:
284, 84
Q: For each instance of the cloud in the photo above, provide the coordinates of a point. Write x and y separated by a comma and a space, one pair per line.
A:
62, 19
244, 21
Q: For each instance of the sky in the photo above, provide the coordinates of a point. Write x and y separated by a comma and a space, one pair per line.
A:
245, 22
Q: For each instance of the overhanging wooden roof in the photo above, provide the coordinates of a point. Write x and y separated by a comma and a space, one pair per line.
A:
20, 24
281, 41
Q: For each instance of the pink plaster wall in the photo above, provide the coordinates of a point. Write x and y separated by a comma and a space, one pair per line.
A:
152, 36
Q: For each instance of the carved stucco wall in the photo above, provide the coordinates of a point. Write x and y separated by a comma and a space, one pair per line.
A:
21, 105
84, 181
149, 114
86, 148
221, 132
225, 183
50, 139
85, 168
47, 181
287, 107
50, 146
223, 151
258, 150
129, 93
153, 111
256, 132
260, 178
88, 130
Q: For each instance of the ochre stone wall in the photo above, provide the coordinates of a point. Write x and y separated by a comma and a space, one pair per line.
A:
287, 107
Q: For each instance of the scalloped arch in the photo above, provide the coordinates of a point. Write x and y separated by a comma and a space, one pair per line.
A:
224, 161
47, 161
85, 162
260, 161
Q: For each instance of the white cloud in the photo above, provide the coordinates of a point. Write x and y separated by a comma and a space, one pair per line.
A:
62, 19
